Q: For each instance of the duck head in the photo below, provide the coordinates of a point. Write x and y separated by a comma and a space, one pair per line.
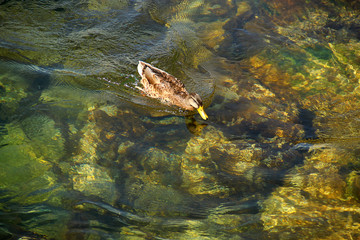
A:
195, 101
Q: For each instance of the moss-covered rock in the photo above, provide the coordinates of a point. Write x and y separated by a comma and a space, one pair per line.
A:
106, 5
314, 200
25, 176
12, 91
45, 137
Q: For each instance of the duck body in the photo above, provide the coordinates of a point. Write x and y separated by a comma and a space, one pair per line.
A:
164, 86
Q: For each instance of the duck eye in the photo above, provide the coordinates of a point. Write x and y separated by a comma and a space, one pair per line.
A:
193, 103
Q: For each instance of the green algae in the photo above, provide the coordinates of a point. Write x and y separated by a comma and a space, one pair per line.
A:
45, 137
106, 5
13, 90
320, 52
352, 190
22, 172
318, 189
156, 199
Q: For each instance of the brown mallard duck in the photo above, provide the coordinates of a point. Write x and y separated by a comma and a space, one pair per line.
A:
162, 85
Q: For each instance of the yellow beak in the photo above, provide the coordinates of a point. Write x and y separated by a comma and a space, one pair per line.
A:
202, 113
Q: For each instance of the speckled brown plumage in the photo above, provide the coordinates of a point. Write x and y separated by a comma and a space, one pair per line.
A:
164, 86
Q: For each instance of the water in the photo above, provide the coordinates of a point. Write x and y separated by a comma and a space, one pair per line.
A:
85, 155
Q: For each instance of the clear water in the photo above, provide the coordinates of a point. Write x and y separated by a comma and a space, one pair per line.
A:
85, 155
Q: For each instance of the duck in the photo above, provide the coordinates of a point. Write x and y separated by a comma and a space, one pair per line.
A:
164, 86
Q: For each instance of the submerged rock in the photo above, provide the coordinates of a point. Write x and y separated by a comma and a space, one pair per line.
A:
107, 5
89, 176
26, 175
12, 91
214, 165
314, 201
45, 137
292, 73
198, 171
93, 180
353, 185
156, 200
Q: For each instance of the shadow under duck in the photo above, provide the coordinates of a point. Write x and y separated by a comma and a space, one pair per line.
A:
162, 85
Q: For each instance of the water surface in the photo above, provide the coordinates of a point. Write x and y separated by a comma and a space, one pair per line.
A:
85, 155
